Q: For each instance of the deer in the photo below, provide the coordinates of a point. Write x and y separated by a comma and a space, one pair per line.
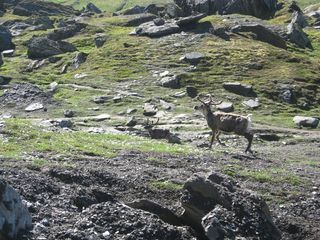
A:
225, 122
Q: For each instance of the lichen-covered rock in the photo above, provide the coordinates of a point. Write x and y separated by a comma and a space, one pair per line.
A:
5, 39
14, 216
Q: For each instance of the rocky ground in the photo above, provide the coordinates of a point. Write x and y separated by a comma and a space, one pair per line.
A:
99, 135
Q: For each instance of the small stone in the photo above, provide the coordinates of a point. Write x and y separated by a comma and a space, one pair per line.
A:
8, 53
150, 110
99, 99
225, 107
252, 103
117, 99
34, 107
68, 113
131, 122
131, 110
53, 86
80, 75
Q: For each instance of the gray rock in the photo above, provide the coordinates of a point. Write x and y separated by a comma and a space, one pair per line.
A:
151, 30
185, 21
44, 8
149, 110
299, 19
8, 53
158, 21
170, 82
173, 10
225, 107
297, 36
62, 123
261, 33
1, 61
54, 86
238, 88
100, 118
42, 47
92, 8
79, 59
34, 107
258, 8
193, 58
131, 122
223, 210
100, 99
99, 41
117, 99
66, 32
310, 122
192, 91
140, 19
134, 10
5, 39
68, 113
14, 216
252, 103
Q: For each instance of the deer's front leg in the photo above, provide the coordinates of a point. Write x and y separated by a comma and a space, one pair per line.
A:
212, 138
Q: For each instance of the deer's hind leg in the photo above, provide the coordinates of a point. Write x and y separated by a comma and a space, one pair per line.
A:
249, 137
218, 139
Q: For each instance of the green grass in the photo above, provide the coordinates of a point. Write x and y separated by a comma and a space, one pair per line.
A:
166, 185
24, 138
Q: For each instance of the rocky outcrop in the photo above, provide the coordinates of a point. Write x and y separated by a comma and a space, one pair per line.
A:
45, 8
154, 30
14, 216
261, 33
258, 8
297, 36
92, 8
238, 88
42, 47
5, 39
222, 210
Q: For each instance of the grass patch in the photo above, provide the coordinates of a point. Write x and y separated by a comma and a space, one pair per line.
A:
25, 138
166, 185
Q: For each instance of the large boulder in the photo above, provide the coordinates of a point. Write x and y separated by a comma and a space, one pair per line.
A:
14, 216
297, 36
258, 8
92, 8
66, 32
238, 88
223, 210
150, 29
45, 8
42, 47
5, 39
261, 33
310, 122
140, 19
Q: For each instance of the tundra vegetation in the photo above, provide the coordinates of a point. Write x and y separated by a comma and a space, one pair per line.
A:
99, 136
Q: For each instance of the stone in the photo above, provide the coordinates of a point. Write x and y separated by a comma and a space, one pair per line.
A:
271, 137
79, 59
297, 36
151, 30
14, 216
172, 10
136, 20
99, 41
68, 113
92, 8
299, 19
216, 204
63, 123
186, 21
5, 39
170, 82
225, 107
101, 117
309, 122
100, 99
42, 47
192, 91
131, 122
131, 110
174, 139
149, 110
261, 33
252, 103
45, 8
34, 107
134, 10
238, 88
167, 106
80, 75
258, 8
53, 86
117, 99
8, 53
159, 21
192, 58
66, 32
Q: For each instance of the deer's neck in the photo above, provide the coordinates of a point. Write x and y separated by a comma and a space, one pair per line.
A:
209, 117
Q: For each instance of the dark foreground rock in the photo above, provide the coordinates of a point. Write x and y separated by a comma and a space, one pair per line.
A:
42, 47
223, 210
5, 39
310, 122
14, 216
